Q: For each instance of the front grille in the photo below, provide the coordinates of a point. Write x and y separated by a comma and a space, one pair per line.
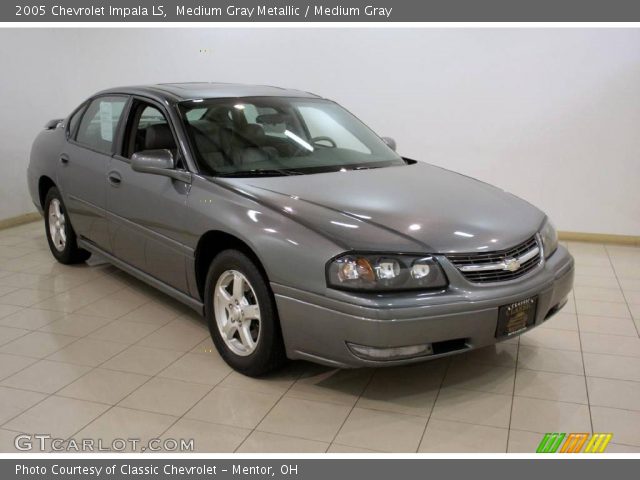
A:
489, 267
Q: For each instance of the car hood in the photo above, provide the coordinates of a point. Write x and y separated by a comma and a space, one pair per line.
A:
412, 208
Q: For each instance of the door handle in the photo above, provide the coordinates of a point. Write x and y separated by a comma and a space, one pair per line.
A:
114, 178
64, 159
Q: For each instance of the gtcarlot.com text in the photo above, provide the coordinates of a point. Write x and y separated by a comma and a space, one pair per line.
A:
47, 443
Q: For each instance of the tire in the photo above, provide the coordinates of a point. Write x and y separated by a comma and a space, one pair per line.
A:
61, 238
247, 295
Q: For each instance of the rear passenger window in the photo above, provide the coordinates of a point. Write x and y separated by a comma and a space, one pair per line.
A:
73, 121
98, 126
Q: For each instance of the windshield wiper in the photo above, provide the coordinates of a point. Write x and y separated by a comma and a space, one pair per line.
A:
273, 172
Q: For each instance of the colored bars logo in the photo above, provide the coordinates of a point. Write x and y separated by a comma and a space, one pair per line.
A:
573, 443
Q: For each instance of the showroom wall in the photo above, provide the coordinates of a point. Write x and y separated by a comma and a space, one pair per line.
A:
550, 115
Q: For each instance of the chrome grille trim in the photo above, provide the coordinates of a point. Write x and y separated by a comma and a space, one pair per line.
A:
499, 266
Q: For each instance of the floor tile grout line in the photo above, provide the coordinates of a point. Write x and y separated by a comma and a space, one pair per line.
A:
579, 375
602, 316
111, 407
587, 352
513, 396
623, 294
298, 376
433, 406
463, 422
30, 288
8, 293
17, 338
374, 409
364, 389
584, 370
91, 369
100, 273
181, 417
51, 394
112, 321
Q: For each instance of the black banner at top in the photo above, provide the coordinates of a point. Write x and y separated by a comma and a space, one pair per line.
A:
320, 11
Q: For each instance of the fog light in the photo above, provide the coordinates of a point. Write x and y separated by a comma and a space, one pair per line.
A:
391, 353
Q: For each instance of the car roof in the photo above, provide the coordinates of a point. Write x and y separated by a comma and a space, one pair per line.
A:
178, 92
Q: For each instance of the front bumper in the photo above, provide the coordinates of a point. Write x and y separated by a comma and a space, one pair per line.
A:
319, 328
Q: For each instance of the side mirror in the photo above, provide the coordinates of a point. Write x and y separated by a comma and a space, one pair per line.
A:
391, 143
158, 162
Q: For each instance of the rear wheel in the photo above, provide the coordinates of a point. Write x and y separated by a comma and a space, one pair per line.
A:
242, 315
60, 234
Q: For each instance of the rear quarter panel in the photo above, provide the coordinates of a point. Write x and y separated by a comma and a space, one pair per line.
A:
43, 160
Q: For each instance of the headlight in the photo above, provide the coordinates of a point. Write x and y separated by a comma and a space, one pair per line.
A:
549, 238
377, 272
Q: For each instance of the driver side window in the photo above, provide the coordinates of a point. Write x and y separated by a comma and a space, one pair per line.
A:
150, 130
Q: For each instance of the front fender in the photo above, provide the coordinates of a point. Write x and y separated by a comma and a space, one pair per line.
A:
291, 254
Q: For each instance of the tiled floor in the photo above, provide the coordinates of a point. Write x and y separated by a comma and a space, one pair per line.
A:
89, 352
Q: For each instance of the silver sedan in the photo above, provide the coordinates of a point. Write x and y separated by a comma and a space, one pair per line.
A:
293, 228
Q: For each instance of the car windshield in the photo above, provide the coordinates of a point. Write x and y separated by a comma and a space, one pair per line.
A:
270, 136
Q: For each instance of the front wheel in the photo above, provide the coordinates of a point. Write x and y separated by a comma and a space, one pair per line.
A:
60, 234
242, 315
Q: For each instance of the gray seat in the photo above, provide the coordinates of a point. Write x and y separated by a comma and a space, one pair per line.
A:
160, 137
252, 146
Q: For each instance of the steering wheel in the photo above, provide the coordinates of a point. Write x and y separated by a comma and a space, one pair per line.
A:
316, 140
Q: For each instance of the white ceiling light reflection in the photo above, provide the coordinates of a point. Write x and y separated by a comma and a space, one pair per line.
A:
346, 225
239, 106
270, 230
288, 209
292, 241
298, 140
414, 227
464, 234
253, 215
484, 247
359, 215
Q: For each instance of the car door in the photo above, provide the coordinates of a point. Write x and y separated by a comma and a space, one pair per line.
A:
83, 167
147, 212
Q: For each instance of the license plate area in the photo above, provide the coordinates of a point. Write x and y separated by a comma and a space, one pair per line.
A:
516, 317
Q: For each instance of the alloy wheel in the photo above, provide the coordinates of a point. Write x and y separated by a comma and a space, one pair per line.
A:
237, 312
57, 225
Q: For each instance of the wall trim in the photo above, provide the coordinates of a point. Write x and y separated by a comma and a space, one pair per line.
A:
633, 240
20, 220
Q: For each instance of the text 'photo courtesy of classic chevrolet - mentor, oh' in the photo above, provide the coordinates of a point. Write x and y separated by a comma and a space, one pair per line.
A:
292, 227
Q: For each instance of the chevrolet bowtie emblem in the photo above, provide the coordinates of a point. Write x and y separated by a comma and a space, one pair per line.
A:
511, 264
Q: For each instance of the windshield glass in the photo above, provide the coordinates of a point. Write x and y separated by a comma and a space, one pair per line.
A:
280, 136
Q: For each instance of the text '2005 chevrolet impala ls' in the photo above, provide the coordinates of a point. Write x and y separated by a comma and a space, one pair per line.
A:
294, 229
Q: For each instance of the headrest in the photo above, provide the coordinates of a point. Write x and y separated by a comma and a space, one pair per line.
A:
159, 137
220, 115
272, 118
254, 134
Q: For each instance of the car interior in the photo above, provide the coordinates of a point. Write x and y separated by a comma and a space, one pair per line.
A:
149, 130
224, 137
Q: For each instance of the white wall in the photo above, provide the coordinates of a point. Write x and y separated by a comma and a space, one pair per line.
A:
552, 115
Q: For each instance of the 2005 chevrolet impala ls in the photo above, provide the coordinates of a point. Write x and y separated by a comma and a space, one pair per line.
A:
293, 228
